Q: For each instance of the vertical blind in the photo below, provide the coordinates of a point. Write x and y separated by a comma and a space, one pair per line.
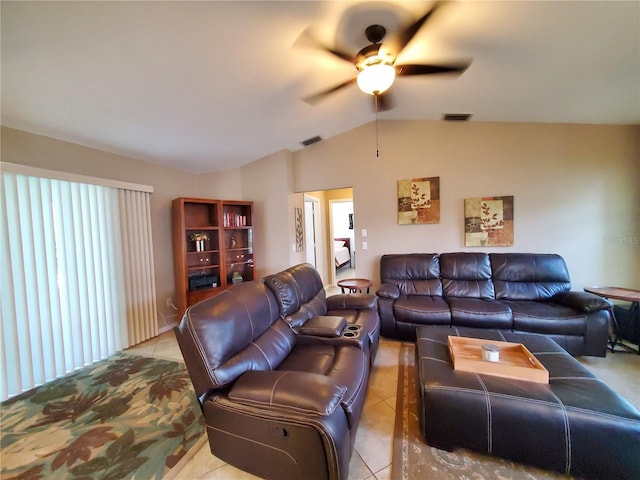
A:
77, 276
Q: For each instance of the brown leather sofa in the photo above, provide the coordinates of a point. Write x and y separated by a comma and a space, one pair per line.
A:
281, 378
522, 292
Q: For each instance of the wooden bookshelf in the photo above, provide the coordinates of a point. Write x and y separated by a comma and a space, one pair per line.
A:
212, 239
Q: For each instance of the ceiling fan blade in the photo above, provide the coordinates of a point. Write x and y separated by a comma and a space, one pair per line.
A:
313, 99
399, 41
383, 102
456, 68
307, 39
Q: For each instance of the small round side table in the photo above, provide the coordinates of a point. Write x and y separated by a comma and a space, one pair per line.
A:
354, 284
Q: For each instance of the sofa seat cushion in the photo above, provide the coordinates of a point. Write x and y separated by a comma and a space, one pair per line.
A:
422, 309
288, 390
547, 318
476, 312
345, 365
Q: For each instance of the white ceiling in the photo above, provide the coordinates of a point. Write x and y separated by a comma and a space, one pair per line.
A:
206, 86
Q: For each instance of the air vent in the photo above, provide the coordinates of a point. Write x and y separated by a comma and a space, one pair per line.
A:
311, 141
456, 117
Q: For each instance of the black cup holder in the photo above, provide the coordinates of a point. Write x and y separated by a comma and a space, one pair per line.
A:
351, 331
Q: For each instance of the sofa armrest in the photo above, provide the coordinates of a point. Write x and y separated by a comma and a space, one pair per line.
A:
388, 290
583, 301
351, 301
308, 393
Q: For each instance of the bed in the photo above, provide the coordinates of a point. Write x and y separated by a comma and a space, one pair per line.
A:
342, 251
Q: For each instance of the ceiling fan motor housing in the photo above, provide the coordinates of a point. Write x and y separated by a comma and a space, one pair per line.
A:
375, 33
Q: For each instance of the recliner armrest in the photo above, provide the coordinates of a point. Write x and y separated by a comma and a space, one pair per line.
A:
351, 301
323, 326
304, 392
583, 301
388, 290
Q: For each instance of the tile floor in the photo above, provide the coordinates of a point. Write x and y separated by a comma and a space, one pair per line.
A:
371, 459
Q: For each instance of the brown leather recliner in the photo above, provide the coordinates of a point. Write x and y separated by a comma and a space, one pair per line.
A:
278, 402
301, 296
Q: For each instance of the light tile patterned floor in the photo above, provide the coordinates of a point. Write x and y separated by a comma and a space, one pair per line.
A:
371, 459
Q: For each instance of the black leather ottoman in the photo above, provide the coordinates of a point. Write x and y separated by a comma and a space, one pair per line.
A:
575, 425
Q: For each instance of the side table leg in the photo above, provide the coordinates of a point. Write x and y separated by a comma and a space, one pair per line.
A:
620, 328
615, 335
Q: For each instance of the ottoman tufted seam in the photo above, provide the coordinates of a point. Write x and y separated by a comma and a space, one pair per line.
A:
567, 433
433, 340
595, 413
488, 407
446, 362
592, 379
564, 354
494, 394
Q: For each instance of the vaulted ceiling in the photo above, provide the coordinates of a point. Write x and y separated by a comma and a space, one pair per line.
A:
206, 86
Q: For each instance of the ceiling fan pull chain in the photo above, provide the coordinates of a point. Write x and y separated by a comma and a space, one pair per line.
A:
376, 104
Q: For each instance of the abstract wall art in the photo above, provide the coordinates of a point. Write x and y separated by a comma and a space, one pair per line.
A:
419, 200
488, 222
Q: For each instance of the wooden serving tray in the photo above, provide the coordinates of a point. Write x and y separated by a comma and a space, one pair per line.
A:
516, 361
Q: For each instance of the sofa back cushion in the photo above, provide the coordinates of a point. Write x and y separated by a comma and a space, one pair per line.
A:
412, 273
299, 293
467, 275
236, 331
529, 276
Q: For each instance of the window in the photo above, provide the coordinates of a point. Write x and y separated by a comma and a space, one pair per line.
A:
77, 275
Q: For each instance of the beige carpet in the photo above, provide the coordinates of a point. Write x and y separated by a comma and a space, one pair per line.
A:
414, 459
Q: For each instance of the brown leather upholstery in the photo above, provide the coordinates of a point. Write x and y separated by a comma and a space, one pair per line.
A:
301, 296
277, 403
575, 424
527, 292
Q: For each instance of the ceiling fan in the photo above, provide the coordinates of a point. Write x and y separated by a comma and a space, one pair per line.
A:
376, 62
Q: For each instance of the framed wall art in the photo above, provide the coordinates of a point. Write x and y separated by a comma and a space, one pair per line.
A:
419, 200
488, 222
299, 230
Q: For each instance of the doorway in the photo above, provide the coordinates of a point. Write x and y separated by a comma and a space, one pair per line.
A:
342, 228
322, 230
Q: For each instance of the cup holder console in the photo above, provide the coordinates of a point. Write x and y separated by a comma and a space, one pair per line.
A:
351, 331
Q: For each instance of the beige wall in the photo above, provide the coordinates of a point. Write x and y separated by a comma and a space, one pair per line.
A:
576, 189
267, 182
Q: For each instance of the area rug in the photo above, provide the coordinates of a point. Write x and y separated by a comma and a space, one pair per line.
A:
414, 459
124, 417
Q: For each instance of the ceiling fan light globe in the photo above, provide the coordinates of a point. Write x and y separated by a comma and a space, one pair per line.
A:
375, 79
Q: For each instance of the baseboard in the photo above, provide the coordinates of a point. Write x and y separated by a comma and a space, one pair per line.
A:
166, 328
